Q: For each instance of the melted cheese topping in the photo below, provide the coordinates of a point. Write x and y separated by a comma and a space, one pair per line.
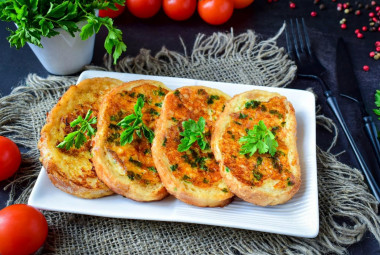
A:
136, 157
259, 168
194, 166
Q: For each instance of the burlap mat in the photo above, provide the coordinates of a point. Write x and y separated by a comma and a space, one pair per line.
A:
347, 209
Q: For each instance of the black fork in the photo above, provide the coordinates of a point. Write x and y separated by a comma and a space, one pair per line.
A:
299, 50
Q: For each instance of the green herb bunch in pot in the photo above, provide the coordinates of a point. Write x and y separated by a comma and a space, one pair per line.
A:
61, 33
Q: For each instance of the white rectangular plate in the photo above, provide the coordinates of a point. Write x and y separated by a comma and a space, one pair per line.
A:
298, 217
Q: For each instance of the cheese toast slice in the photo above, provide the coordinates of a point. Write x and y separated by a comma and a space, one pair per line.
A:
129, 169
72, 170
261, 179
193, 175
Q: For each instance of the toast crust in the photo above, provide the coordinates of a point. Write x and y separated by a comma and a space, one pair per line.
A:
72, 171
261, 179
191, 176
129, 170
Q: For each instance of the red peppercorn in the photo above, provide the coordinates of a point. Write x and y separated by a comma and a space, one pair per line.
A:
313, 14
292, 5
366, 68
378, 49
371, 14
364, 28
343, 26
357, 31
378, 8
334, 0
345, 6
372, 54
357, 12
377, 43
374, 19
373, 3
360, 35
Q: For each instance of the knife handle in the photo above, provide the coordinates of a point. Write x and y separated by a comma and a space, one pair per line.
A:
331, 100
372, 134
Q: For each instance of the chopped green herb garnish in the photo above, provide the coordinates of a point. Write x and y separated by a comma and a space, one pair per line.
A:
153, 112
252, 104
242, 116
164, 142
79, 137
174, 167
257, 175
159, 92
152, 169
137, 126
212, 98
205, 180
263, 108
176, 93
135, 162
290, 183
259, 138
227, 169
276, 113
186, 178
131, 175
174, 119
158, 104
193, 132
225, 190
238, 123
259, 161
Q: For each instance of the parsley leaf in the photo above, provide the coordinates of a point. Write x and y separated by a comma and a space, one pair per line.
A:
78, 138
193, 132
377, 102
260, 139
134, 124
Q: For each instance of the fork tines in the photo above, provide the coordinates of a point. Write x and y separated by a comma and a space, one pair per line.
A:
298, 34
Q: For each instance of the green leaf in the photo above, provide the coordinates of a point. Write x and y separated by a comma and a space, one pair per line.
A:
260, 139
79, 137
193, 132
57, 11
137, 126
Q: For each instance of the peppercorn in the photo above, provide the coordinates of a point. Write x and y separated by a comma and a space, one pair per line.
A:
292, 5
371, 54
357, 12
343, 26
313, 14
364, 28
359, 35
347, 11
366, 68
322, 7
377, 56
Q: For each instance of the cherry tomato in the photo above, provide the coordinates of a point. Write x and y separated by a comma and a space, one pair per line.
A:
10, 158
179, 9
23, 230
144, 8
215, 12
239, 4
111, 13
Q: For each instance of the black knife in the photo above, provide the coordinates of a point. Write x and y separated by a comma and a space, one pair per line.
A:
349, 88
332, 102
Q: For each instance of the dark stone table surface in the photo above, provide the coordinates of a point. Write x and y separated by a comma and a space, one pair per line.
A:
265, 19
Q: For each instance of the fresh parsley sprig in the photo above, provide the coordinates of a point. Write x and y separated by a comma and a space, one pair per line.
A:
193, 132
78, 138
261, 139
377, 103
37, 18
137, 126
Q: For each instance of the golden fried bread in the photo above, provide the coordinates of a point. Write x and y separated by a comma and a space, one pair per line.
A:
261, 179
72, 170
129, 169
192, 176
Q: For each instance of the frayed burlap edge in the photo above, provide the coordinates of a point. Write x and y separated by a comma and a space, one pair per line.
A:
343, 194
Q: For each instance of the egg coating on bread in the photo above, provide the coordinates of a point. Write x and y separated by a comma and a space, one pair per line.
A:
262, 179
72, 170
129, 169
192, 176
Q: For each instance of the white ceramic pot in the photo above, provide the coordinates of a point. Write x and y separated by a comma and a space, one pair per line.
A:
64, 54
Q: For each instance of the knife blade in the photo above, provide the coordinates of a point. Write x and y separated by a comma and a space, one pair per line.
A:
349, 88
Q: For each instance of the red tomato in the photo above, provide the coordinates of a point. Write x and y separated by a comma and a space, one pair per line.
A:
144, 8
215, 12
23, 230
179, 9
239, 4
10, 158
111, 13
